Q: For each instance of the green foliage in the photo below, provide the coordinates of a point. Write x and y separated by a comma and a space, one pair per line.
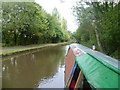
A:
99, 25
27, 23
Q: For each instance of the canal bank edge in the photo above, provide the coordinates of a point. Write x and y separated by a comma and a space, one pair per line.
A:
12, 52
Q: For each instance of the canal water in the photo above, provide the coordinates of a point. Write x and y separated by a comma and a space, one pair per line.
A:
41, 69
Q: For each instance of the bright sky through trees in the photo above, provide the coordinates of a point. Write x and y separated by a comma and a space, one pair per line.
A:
65, 9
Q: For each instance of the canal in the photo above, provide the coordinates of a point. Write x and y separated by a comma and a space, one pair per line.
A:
41, 69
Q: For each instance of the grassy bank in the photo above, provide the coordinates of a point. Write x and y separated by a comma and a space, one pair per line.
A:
15, 51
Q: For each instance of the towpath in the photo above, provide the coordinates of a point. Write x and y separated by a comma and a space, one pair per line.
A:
21, 47
17, 49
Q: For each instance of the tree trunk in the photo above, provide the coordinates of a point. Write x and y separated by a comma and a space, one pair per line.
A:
98, 40
97, 16
15, 38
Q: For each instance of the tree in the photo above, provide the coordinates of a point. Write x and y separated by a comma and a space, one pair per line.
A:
27, 23
98, 24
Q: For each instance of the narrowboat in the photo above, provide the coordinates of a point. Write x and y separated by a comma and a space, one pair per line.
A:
87, 68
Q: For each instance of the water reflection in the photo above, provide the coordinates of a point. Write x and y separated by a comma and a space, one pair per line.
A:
54, 82
40, 69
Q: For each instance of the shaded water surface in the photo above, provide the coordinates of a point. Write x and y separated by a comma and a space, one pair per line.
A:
41, 69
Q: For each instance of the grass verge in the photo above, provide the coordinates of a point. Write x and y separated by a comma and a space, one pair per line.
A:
10, 52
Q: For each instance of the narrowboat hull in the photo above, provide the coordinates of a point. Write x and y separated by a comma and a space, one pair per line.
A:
86, 68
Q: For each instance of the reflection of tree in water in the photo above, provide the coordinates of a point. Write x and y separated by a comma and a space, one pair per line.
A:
32, 68
50, 60
13, 61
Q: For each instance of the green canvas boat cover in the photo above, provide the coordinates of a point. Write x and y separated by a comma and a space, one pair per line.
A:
98, 68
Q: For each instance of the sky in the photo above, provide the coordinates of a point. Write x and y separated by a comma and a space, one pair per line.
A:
64, 8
